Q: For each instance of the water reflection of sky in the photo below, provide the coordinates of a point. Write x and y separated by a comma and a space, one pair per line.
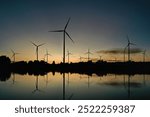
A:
76, 87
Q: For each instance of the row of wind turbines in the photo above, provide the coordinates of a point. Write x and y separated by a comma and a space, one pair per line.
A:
66, 34
37, 53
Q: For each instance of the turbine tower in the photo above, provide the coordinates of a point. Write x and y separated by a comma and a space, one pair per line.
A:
64, 37
14, 55
88, 53
144, 53
128, 45
80, 58
37, 48
68, 54
47, 54
124, 57
100, 58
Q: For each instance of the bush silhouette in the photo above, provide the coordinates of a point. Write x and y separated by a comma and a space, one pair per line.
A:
4, 61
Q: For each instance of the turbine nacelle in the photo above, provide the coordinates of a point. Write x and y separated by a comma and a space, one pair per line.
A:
36, 44
129, 43
68, 53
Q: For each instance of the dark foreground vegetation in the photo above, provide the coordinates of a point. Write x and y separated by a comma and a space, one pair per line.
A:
100, 67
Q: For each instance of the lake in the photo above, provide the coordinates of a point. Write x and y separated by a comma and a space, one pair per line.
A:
75, 87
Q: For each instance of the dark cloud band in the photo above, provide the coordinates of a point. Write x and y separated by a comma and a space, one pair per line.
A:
120, 51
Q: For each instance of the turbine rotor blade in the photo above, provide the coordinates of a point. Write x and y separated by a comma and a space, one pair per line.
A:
88, 53
13, 55
57, 31
41, 44
67, 23
128, 39
33, 43
48, 55
12, 51
69, 36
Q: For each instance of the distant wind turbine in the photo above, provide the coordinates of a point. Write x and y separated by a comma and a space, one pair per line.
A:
125, 53
115, 59
68, 54
88, 53
64, 37
37, 48
80, 58
144, 53
128, 45
14, 55
47, 54
100, 57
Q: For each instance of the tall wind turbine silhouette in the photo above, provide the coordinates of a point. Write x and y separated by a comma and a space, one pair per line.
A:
14, 55
68, 54
144, 53
88, 53
128, 45
64, 37
47, 54
37, 48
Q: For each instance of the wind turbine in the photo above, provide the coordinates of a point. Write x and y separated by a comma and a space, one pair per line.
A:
115, 59
47, 54
128, 45
64, 37
125, 53
144, 53
68, 54
88, 53
14, 55
100, 58
37, 48
80, 58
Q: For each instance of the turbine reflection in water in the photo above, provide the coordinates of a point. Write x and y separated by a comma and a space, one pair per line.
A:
76, 86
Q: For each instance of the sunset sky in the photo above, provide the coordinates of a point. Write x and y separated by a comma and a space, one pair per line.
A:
95, 24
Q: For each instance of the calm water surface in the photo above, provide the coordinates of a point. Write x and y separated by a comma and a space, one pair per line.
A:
75, 86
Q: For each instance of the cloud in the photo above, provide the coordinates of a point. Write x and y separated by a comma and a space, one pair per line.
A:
120, 51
